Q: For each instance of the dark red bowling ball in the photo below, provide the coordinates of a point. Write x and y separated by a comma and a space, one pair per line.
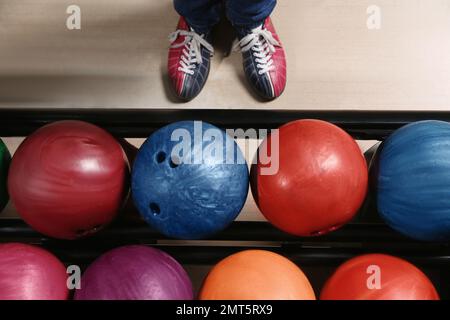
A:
316, 184
68, 179
31, 273
378, 277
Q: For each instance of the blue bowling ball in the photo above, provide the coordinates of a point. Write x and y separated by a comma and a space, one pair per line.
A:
413, 187
190, 180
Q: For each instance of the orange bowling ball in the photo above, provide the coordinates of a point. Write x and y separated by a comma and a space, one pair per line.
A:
316, 184
378, 277
256, 275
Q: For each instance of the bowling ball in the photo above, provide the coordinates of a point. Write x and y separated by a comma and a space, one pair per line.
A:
414, 180
256, 275
378, 277
68, 179
189, 180
315, 181
5, 159
135, 273
31, 273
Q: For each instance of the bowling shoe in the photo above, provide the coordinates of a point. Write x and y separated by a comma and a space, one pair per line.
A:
189, 60
264, 59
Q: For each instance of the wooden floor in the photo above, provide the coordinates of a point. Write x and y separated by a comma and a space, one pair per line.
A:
118, 59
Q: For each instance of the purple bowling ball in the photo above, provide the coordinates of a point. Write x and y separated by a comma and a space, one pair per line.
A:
135, 273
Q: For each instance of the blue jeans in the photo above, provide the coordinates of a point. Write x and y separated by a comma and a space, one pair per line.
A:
244, 14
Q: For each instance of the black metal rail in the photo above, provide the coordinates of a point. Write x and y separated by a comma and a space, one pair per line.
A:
140, 123
126, 231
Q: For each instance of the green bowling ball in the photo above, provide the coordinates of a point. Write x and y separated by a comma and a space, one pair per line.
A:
5, 159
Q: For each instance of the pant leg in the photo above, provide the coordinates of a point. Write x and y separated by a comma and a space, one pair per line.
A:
201, 15
248, 14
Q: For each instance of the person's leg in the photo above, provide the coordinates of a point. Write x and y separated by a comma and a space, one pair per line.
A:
201, 15
263, 56
249, 14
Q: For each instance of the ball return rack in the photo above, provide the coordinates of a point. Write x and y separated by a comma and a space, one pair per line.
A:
366, 234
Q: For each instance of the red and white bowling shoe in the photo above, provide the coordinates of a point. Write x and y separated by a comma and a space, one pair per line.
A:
189, 60
264, 60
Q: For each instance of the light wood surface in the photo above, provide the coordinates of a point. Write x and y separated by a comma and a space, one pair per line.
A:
118, 59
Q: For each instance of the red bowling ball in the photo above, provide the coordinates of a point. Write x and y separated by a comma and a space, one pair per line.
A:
31, 273
68, 179
321, 179
378, 277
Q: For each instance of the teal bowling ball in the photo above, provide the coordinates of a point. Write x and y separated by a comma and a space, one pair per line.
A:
5, 159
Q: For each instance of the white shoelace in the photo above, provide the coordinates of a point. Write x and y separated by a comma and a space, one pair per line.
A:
262, 43
192, 53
